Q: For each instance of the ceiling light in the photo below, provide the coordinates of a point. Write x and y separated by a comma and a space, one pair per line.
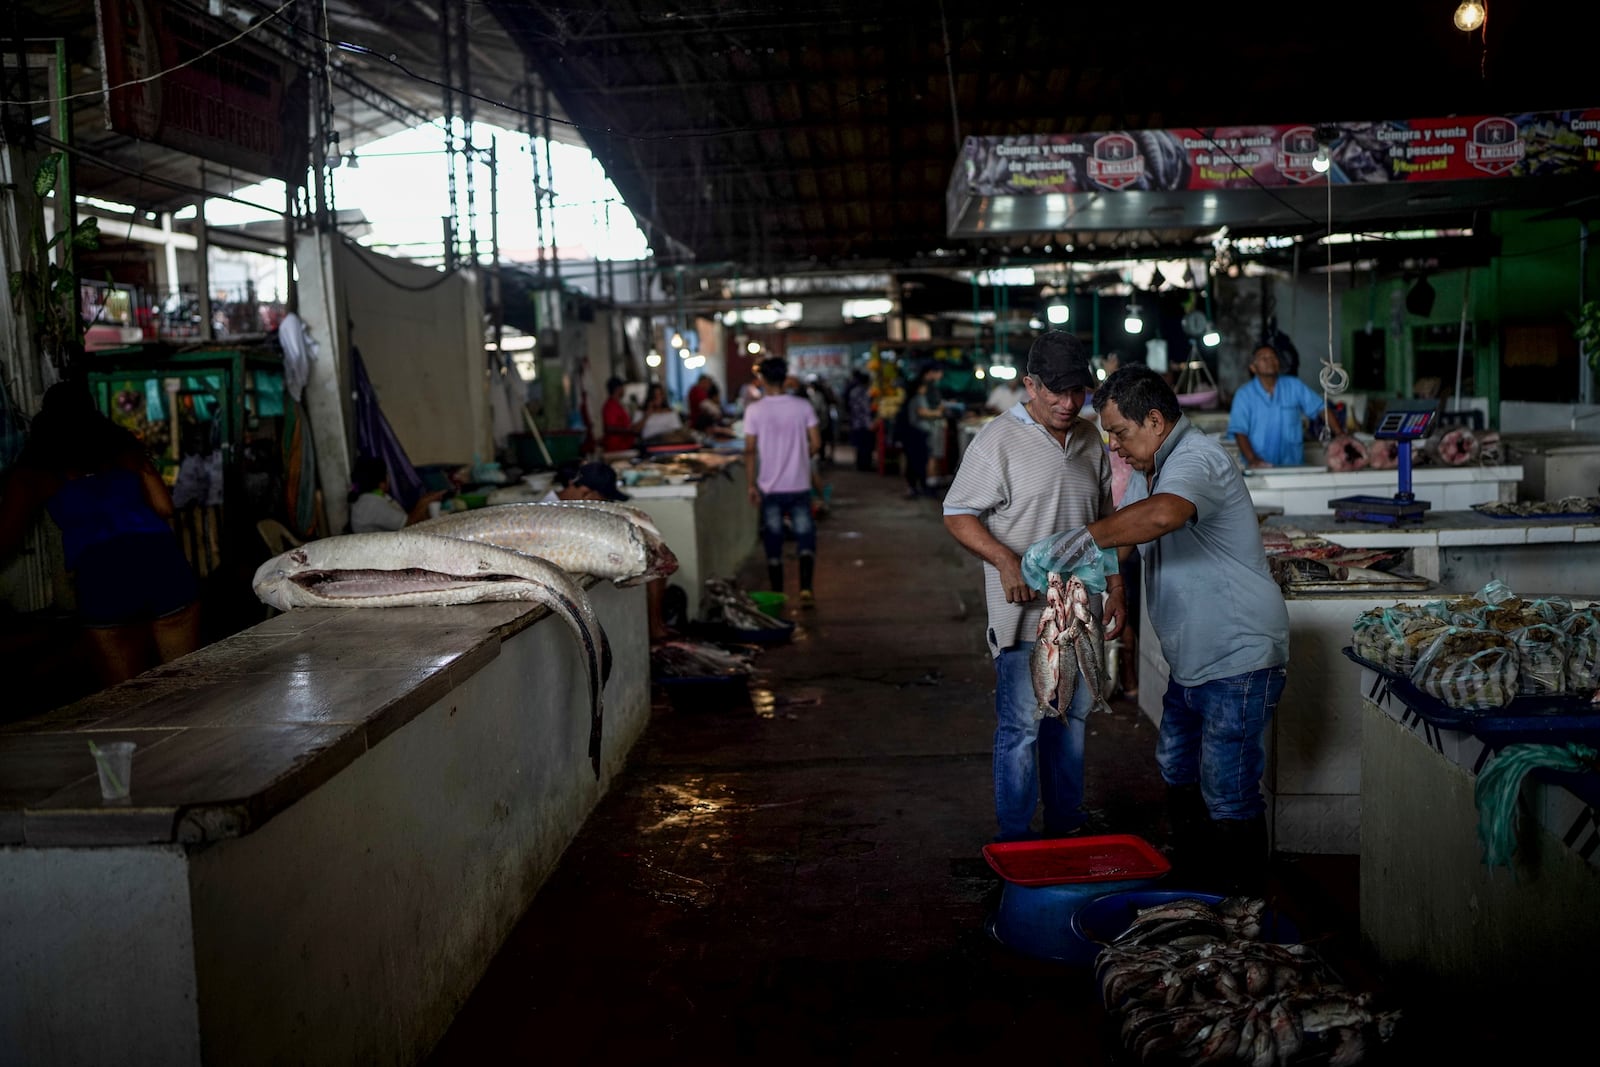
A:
977, 372
754, 348
1470, 15
676, 340
653, 359
1211, 338
694, 363
1134, 323
1321, 163
1058, 314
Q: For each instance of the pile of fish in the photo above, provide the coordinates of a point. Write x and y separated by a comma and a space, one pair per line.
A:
1069, 642
697, 659
1187, 983
727, 603
513, 552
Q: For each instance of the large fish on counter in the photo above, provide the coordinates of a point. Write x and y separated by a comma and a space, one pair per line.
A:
579, 537
379, 570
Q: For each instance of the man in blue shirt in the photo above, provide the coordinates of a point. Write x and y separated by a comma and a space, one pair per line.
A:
1265, 417
1220, 618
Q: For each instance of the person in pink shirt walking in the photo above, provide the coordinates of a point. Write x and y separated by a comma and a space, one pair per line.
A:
781, 434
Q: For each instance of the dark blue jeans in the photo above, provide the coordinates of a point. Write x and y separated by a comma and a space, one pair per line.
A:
797, 506
1212, 734
1035, 759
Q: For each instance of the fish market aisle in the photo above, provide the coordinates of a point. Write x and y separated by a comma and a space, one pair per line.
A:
801, 879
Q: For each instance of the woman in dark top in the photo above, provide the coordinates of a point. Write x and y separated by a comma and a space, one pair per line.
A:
138, 600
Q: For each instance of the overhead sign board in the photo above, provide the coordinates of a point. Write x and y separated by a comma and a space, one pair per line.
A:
177, 79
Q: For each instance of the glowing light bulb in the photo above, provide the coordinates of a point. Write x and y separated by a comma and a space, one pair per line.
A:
1211, 339
676, 340
977, 372
652, 359
754, 348
1133, 323
1057, 314
1470, 15
1321, 163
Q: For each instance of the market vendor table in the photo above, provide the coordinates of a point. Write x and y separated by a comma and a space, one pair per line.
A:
336, 817
1463, 550
1307, 490
1431, 911
708, 523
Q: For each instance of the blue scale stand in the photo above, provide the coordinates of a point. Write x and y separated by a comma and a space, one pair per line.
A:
1404, 421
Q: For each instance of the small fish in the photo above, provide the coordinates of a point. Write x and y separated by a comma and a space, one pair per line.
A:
1047, 665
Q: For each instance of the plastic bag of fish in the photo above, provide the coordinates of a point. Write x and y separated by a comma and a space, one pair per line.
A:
1186, 983
1471, 669
1393, 638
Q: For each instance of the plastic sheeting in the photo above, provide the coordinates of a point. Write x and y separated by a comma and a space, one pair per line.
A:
375, 437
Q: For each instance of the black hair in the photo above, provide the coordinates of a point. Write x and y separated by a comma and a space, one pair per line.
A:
613, 383
1137, 391
774, 370
366, 474
71, 434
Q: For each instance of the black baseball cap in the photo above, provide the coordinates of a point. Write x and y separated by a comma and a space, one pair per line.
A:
601, 478
1058, 362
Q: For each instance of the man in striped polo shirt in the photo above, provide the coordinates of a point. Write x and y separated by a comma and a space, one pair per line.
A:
1033, 470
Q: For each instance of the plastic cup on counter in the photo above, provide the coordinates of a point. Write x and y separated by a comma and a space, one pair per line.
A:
114, 761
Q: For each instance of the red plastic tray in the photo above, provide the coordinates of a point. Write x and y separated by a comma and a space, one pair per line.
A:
1107, 858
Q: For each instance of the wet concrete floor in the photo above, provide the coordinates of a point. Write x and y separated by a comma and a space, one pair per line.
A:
799, 878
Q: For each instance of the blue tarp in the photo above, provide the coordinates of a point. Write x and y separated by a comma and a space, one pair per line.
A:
375, 437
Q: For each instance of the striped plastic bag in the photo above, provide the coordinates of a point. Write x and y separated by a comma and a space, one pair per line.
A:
1541, 659
1475, 670
1582, 631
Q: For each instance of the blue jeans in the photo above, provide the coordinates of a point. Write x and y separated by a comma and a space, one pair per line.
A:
1035, 758
774, 506
1211, 734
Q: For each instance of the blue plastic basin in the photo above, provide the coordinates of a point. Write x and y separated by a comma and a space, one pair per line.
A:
1038, 920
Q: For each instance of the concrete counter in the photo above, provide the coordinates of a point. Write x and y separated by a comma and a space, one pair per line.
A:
708, 523
335, 819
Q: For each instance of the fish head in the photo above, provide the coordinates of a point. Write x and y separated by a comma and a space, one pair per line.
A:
275, 580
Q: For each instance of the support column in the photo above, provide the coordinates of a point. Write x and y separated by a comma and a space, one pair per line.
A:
328, 407
202, 266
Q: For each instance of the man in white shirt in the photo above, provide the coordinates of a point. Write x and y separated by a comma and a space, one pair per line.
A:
781, 434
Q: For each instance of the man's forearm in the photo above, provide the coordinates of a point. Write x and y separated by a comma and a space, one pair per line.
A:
1143, 522
973, 536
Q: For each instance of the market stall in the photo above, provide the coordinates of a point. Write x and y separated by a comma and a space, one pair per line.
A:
699, 501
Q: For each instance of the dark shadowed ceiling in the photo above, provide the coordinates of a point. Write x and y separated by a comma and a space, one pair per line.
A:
779, 136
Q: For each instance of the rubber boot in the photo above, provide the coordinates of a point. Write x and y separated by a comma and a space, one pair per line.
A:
775, 576
1241, 857
1191, 832
808, 567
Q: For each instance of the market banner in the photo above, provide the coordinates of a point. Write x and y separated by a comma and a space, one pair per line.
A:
242, 105
1534, 144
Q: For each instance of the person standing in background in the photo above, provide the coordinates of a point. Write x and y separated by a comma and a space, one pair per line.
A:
1266, 412
926, 416
1035, 469
780, 437
619, 432
858, 404
138, 600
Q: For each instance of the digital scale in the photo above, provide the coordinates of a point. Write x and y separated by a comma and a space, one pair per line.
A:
1404, 421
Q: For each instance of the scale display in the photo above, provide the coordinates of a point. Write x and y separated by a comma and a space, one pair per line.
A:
1405, 425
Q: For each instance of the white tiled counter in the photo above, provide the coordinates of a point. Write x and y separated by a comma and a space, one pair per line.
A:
1307, 490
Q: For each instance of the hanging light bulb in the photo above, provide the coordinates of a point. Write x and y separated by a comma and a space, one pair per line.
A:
1322, 161
676, 340
1134, 323
1058, 314
1470, 15
1211, 338
754, 348
652, 359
